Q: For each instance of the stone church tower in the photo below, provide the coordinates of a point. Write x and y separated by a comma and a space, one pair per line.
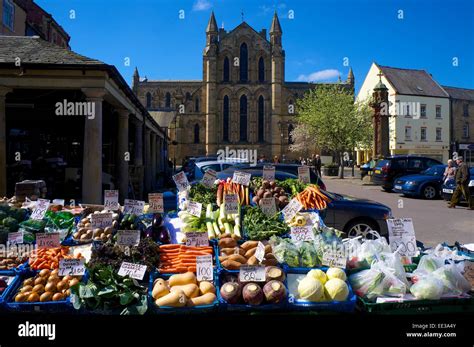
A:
242, 101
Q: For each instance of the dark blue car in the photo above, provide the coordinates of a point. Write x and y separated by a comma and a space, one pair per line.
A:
426, 184
449, 187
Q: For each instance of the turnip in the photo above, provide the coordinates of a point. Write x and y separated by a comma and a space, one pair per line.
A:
230, 292
274, 291
253, 294
274, 273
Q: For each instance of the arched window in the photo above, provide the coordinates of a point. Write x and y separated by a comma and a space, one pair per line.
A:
290, 137
226, 71
196, 133
244, 55
196, 104
243, 118
261, 70
225, 123
148, 100
168, 100
261, 119
188, 96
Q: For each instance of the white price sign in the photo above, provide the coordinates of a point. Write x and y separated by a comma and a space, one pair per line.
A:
181, 181
242, 178
58, 202
133, 206
197, 239
268, 206
249, 273
231, 204
291, 209
15, 238
128, 237
136, 271
204, 271
155, 201
194, 208
302, 233
303, 174
268, 173
47, 240
111, 199
260, 252
40, 209
101, 220
402, 236
209, 178
334, 259
71, 267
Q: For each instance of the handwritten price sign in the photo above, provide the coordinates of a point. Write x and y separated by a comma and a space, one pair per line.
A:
269, 173
40, 210
111, 199
101, 220
133, 206
334, 259
155, 200
231, 204
291, 209
15, 238
128, 237
71, 267
204, 268
209, 178
249, 273
181, 181
268, 206
136, 271
402, 236
242, 178
194, 208
197, 239
47, 240
303, 233
303, 174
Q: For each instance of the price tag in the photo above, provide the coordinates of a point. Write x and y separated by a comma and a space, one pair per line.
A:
133, 206
268, 173
303, 233
15, 238
231, 204
249, 273
194, 208
260, 252
58, 202
128, 237
181, 181
111, 199
197, 239
402, 236
101, 220
268, 206
204, 271
334, 259
136, 271
242, 178
47, 240
71, 267
155, 201
303, 174
291, 209
40, 209
209, 178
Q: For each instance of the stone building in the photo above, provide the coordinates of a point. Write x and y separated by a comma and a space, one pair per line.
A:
243, 100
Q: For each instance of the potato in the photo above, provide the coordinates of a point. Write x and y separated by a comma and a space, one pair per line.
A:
83, 231
88, 225
268, 249
108, 230
85, 237
270, 262
230, 251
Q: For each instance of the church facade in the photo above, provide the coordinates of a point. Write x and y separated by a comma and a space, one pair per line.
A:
242, 102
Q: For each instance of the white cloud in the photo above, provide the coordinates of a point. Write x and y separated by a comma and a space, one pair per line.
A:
201, 5
323, 75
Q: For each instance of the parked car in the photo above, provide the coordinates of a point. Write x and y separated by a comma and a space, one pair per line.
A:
388, 170
354, 216
426, 185
201, 167
447, 189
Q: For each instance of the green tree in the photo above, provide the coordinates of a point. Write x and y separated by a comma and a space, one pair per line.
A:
336, 123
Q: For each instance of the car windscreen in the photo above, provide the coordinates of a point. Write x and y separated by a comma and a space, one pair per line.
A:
434, 171
382, 163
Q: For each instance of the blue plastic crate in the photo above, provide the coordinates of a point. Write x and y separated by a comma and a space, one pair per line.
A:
7, 290
180, 310
334, 306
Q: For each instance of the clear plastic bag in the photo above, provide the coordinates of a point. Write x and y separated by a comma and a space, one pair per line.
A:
393, 261
392, 285
429, 288
427, 265
452, 279
368, 283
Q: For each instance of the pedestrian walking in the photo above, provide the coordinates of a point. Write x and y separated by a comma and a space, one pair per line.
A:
317, 164
462, 178
450, 171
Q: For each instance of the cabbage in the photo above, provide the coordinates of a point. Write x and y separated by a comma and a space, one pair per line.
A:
318, 275
335, 272
429, 288
337, 289
310, 289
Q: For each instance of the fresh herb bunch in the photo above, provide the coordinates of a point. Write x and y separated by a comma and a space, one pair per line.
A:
200, 193
292, 186
261, 227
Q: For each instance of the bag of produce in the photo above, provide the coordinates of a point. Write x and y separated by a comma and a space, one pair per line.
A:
308, 255
428, 288
367, 283
452, 279
285, 251
427, 265
393, 261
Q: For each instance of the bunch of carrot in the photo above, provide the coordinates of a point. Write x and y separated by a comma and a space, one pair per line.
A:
312, 198
176, 258
48, 258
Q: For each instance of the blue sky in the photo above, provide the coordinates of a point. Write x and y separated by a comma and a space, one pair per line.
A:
427, 34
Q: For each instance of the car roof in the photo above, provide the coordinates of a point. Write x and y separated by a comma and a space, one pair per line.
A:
210, 162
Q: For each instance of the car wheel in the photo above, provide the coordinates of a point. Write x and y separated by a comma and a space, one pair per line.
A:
361, 227
429, 192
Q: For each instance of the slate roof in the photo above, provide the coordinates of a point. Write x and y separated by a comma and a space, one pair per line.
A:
460, 93
413, 82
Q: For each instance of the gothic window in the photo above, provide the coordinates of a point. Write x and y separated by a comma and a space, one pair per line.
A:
148, 100
168, 100
196, 133
243, 62
225, 130
226, 73
196, 104
261, 119
261, 70
290, 136
243, 118
188, 96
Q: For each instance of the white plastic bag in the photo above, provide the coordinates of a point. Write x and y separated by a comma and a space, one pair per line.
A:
452, 279
429, 288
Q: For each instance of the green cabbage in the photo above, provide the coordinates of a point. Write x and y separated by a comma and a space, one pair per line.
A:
310, 289
337, 289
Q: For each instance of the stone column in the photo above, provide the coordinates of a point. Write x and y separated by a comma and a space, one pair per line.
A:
147, 163
92, 156
138, 155
3, 142
123, 154
153, 161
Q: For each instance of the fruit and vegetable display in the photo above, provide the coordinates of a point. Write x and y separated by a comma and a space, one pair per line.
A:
177, 258
259, 226
10, 218
5, 281
312, 198
12, 260
183, 290
272, 291
48, 258
46, 286
155, 228
202, 194
86, 233
270, 189
228, 187
232, 256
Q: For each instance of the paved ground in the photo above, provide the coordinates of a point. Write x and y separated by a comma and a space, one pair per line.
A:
433, 221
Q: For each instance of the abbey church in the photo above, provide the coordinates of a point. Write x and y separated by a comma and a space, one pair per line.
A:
243, 100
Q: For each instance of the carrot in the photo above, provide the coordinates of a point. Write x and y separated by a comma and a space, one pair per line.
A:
170, 246
191, 269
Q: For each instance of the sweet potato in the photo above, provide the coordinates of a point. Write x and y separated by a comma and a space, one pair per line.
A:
252, 261
249, 245
230, 251
231, 265
238, 257
227, 243
250, 252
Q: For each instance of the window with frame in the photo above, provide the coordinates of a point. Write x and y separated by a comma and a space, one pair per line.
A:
243, 62
261, 70
465, 109
225, 123
465, 130
407, 133
243, 118
148, 100
9, 14
261, 119
196, 133
438, 111
168, 100
226, 70
423, 111
290, 134
423, 134
196, 104
438, 134
407, 113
